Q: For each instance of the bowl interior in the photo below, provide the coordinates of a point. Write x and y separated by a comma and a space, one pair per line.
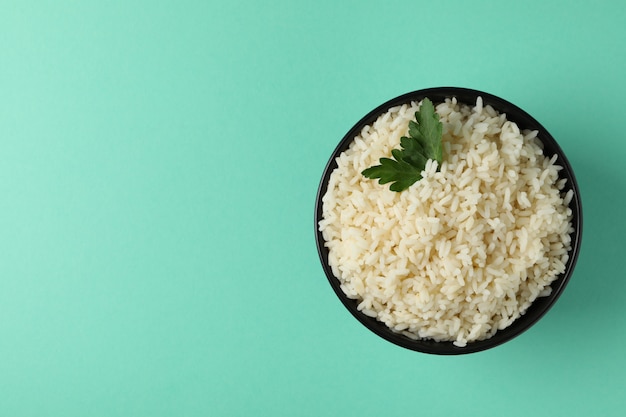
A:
541, 305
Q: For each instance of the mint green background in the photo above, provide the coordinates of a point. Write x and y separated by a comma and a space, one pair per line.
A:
158, 169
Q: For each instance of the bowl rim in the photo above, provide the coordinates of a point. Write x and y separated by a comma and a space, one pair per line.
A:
540, 306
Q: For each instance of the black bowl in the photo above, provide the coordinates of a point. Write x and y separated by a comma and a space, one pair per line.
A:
541, 304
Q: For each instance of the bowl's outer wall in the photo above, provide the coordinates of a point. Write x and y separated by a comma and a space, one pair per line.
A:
541, 306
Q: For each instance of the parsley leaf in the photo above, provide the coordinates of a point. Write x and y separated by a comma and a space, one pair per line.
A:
427, 130
400, 172
422, 144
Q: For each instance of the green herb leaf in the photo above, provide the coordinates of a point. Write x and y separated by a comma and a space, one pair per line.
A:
398, 171
413, 153
423, 143
427, 129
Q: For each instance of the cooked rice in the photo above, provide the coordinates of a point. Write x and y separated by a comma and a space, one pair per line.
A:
464, 251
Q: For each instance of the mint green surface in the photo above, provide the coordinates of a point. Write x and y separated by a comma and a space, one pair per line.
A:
158, 168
